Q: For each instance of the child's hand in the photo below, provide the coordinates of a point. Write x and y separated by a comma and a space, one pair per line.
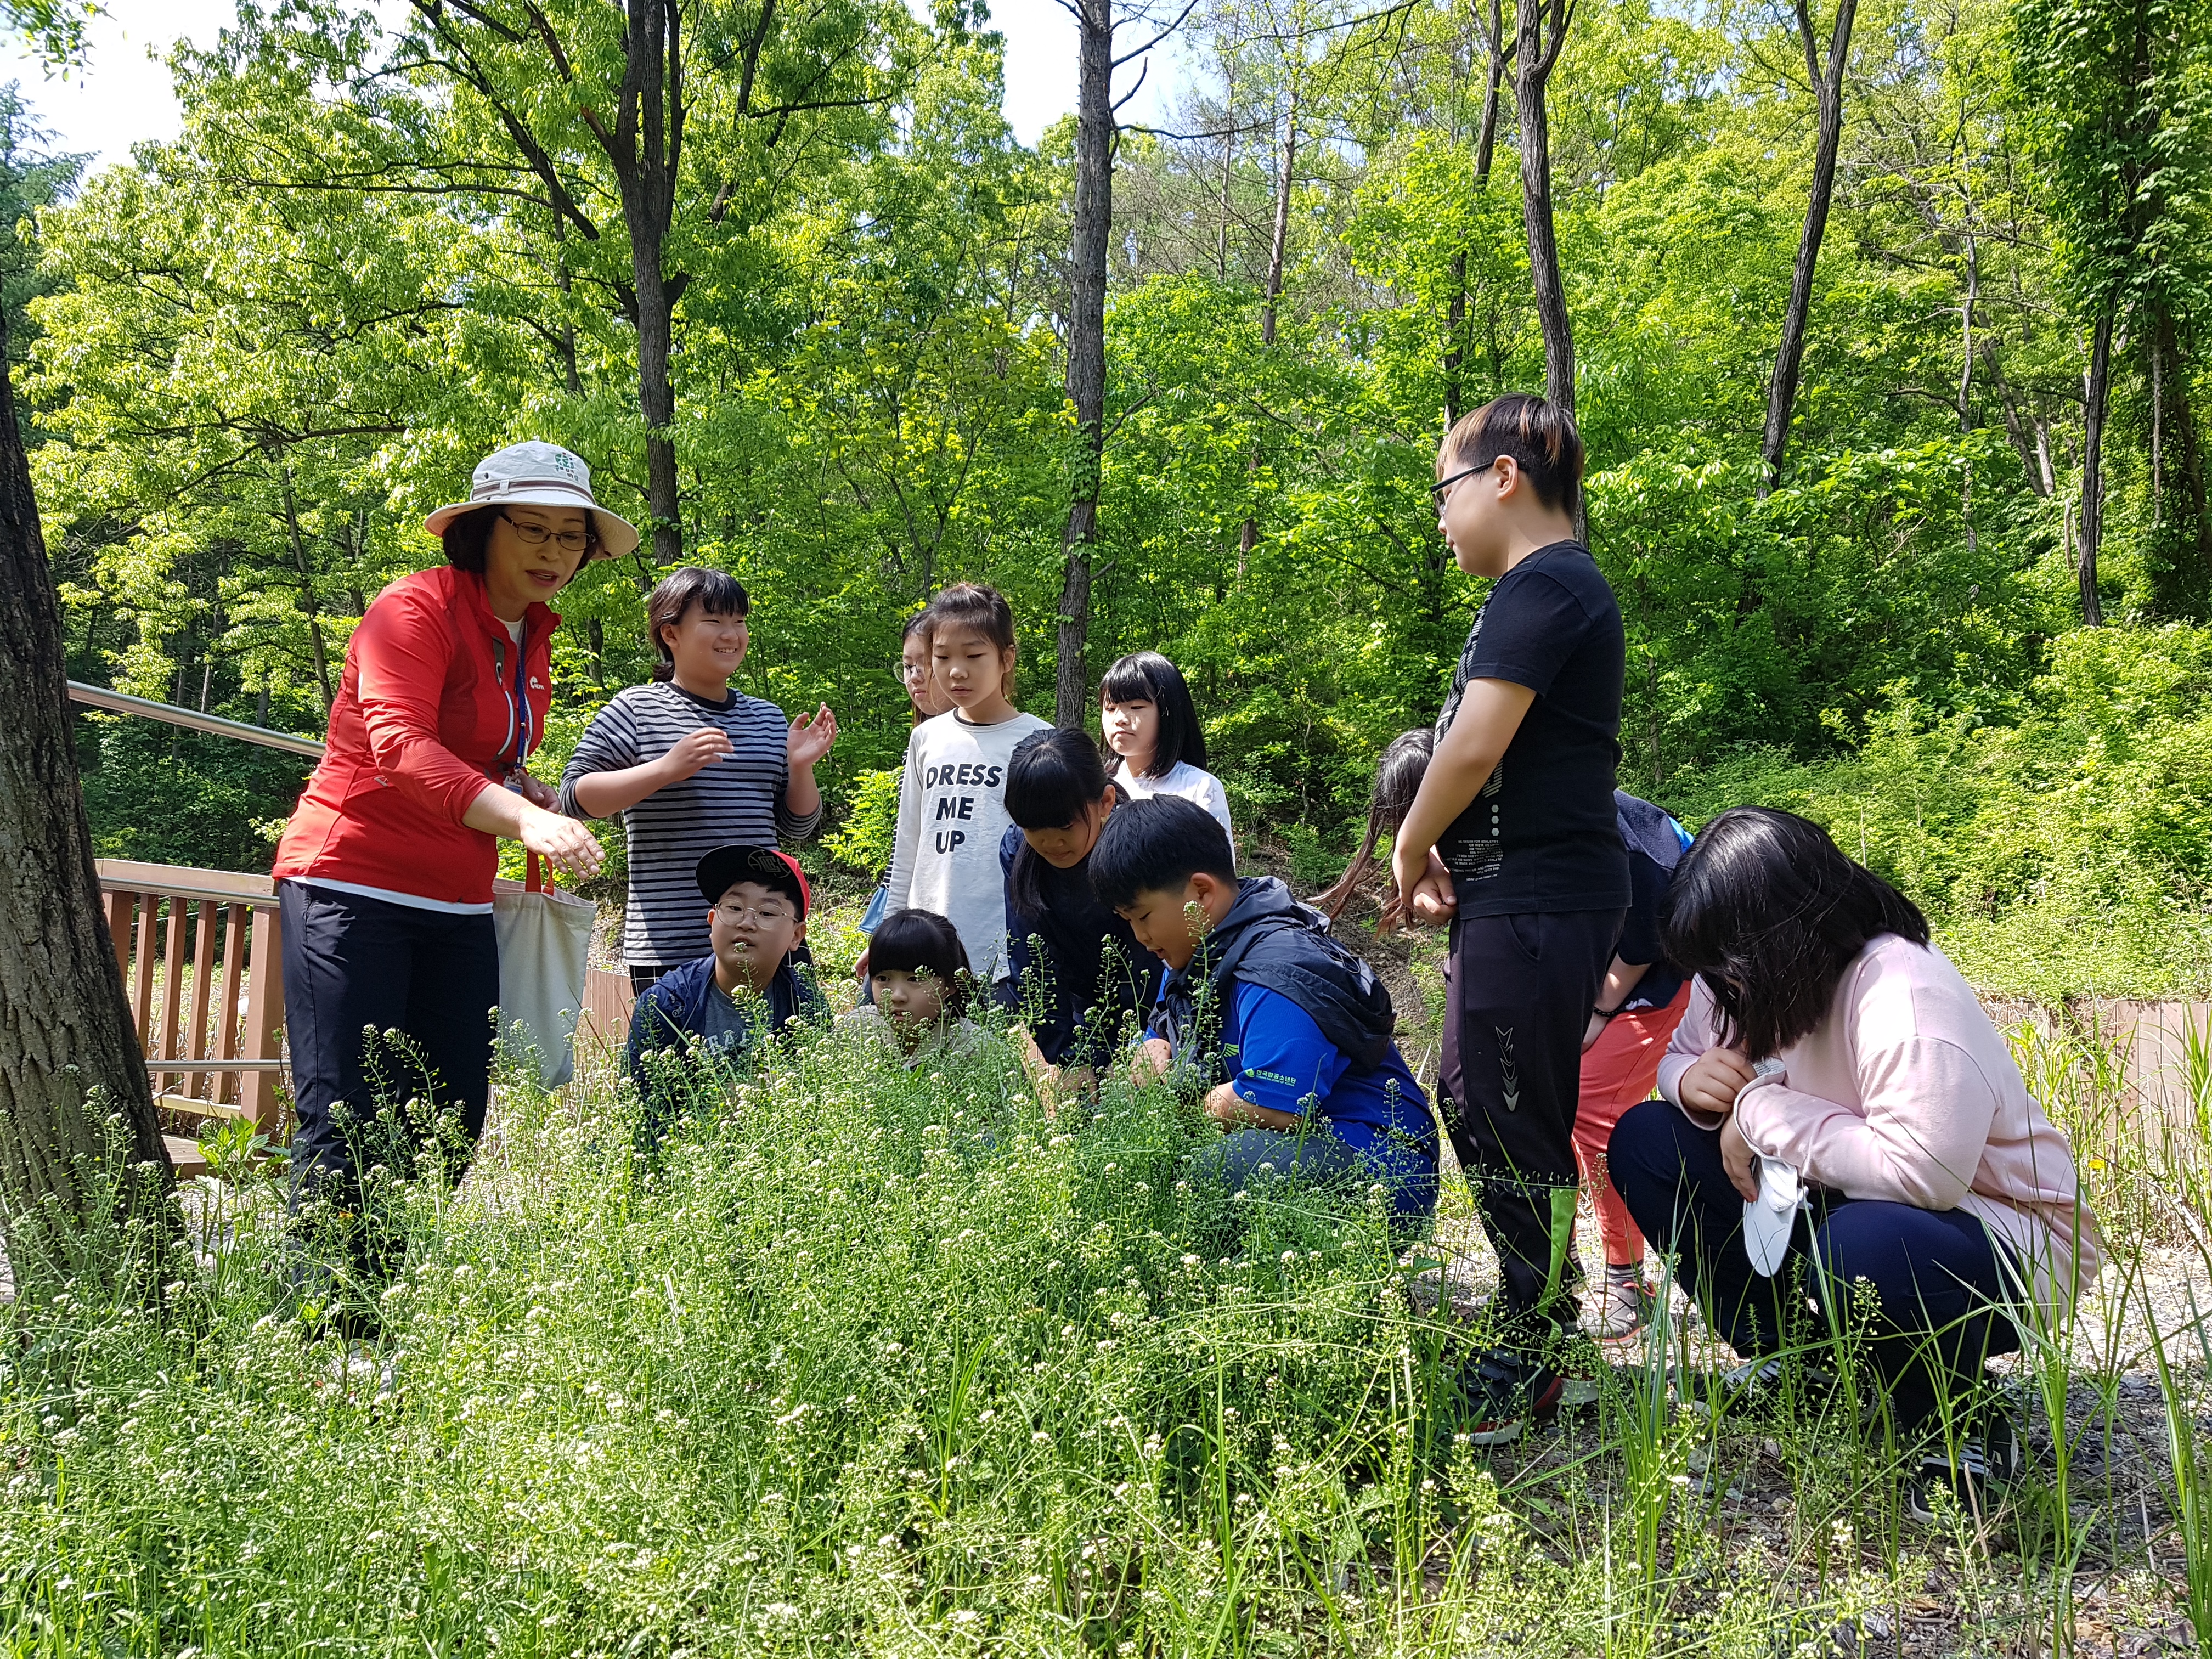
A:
695, 752
1738, 1159
1712, 1081
1153, 1059
810, 737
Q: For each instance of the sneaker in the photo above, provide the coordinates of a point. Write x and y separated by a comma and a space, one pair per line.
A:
1989, 1461
1624, 1309
1754, 1383
1503, 1392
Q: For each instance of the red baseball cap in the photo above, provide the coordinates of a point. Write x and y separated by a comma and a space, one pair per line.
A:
725, 866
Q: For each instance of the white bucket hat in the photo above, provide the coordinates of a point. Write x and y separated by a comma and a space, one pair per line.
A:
537, 474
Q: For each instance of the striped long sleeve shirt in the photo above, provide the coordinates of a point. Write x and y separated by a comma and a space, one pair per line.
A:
738, 799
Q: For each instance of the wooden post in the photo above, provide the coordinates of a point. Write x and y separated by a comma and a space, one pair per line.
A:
264, 1012
227, 1044
203, 1085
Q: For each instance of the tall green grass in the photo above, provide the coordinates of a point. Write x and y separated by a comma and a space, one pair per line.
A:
885, 1361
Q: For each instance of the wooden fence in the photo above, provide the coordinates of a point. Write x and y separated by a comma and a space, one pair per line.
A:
199, 951
192, 944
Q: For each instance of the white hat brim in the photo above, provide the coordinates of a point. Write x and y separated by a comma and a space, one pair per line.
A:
618, 538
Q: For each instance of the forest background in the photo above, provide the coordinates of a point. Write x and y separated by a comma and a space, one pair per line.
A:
819, 334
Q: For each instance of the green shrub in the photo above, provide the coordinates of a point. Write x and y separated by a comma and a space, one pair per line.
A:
2067, 853
864, 839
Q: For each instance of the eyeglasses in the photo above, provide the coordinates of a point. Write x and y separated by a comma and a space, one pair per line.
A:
906, 673
1442, 487
537, 535
766, 915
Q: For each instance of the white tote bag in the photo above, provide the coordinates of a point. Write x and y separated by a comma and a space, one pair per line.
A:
544, 952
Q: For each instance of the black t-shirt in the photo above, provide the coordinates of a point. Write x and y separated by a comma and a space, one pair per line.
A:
1541, 835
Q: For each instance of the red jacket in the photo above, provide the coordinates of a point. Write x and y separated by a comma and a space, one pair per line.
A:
426, 714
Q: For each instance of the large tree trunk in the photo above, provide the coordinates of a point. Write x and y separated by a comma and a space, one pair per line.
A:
1789, 361
65, 1028
1086, 345
1542, 32
2100, 391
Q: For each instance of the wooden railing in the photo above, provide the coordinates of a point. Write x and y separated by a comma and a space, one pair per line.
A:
200, 951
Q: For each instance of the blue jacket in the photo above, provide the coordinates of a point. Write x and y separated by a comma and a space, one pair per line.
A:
1269, 938
1062, 981
672, 1010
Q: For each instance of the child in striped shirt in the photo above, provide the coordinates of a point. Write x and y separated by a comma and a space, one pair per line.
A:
691, 765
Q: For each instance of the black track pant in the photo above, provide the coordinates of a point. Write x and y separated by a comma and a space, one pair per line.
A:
353, 962
1519, 998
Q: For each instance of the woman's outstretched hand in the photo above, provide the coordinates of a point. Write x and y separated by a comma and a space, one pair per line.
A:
574, 850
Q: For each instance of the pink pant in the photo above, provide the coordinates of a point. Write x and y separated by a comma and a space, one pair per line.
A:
1617, 1073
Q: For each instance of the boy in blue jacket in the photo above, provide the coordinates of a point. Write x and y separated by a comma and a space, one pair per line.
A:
724, 1006
1290, 1033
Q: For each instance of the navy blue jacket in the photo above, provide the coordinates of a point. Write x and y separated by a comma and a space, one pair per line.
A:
1062, 984
672, 1010
1268, 938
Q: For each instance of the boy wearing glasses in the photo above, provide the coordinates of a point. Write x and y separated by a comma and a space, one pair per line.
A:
723, 1008
1513, 838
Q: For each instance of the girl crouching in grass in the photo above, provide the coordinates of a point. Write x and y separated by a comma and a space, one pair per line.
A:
1827, 1041
918, 970
1076, 974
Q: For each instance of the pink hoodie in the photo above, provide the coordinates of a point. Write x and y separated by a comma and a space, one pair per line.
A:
1907, 1093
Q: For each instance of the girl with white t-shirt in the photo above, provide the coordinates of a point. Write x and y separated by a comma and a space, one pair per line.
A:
952, 810
1145, 711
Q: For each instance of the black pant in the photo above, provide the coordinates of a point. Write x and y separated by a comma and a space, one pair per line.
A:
1941, 1284
1519, 998
351, 963
643, 976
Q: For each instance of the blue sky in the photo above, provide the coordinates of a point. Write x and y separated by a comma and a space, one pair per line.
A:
122, 95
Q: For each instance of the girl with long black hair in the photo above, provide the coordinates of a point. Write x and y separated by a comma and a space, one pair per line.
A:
1075, 969
1828, 1046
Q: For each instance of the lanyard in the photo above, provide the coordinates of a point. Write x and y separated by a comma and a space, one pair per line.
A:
519, 700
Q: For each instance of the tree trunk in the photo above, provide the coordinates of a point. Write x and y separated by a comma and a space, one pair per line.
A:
1967, 383
1248, 535
1228, 165
65, 1028
1501, 55
646, 149
2032, 448
2182, 584
1087, 345
307, 595
2092, 465
1789, 361
1543, 32
1454, 322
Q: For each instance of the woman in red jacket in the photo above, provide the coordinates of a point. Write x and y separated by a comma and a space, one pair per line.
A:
384, 874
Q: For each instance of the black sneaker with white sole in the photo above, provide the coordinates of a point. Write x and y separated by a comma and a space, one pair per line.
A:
1502, 1392
1755, 1384
1977, 1475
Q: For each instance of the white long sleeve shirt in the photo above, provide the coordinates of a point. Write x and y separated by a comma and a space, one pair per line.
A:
952, 813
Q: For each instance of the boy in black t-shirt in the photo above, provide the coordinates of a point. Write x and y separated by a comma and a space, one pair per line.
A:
1513, 837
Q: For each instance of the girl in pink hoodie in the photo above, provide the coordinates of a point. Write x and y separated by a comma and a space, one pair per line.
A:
1826, 1039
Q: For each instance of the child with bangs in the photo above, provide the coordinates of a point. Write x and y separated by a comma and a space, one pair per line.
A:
1151, 725
952, 810
1076, 973
920, 978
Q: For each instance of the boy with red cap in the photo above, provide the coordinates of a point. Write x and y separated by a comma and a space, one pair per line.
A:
725, 1005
